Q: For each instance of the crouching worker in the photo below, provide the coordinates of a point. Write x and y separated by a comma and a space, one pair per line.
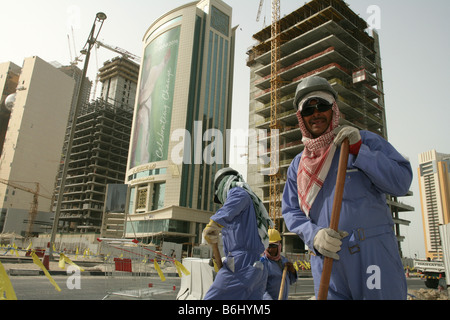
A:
275, 267
244, 223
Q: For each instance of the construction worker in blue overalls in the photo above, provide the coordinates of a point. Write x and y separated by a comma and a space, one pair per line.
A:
244, 223
276, 264
367, 263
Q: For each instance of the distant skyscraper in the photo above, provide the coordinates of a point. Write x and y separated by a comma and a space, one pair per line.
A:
119, 78
9, 78
183, 102
100, 149
434, 184
35, 134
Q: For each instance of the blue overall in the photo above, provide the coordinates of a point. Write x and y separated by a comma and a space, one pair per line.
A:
243, 275
369, 266
275, 276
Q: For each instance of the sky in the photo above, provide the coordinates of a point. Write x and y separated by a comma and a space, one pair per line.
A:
415, 52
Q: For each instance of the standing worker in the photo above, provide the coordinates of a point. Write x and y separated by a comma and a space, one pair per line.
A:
276, 264
369, 264
243, 222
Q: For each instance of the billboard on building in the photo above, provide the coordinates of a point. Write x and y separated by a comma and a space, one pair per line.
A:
150, 141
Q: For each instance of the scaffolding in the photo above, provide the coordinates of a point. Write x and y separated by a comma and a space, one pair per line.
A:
98, 158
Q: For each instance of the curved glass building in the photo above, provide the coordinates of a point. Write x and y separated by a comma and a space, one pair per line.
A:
182, 112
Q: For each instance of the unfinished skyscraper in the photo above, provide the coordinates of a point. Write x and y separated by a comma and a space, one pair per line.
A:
100, 149
324, 38
119, 78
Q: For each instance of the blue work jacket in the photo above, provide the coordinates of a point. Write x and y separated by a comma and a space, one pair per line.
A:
376, 171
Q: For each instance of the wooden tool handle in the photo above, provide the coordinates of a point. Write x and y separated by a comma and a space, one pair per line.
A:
216, 254
283, 278
335, 214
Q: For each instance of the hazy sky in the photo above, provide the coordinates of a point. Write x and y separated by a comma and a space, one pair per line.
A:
415, 51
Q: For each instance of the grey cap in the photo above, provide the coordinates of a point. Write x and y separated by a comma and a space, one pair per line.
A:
311, 84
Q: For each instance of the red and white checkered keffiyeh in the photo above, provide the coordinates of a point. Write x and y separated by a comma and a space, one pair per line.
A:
315, 162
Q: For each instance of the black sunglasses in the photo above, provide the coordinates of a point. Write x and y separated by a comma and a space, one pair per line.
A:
321, 106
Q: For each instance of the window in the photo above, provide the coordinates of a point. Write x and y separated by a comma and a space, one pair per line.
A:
159, 190
131, 204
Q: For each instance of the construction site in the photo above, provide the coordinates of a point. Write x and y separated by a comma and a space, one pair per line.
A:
324, 38
141, 218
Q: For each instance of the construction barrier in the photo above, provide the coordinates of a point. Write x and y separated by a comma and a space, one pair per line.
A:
133, 270
139, 267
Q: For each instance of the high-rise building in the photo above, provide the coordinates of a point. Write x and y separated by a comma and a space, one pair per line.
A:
35, 135
98, 158
119, 78
434, 186
9, 78
324, 38
100, 148
182, 112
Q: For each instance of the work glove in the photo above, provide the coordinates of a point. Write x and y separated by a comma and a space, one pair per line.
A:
328, 242
353, 135
212, 231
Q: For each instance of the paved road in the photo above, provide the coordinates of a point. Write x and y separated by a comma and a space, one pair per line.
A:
92, 288
97, 288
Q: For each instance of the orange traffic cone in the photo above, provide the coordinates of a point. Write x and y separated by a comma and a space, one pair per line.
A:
46, 258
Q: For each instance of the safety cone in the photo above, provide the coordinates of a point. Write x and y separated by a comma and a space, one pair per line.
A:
46, 258
407, 272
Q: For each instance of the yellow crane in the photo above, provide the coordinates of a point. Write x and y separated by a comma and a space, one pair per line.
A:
275, 84
34, 203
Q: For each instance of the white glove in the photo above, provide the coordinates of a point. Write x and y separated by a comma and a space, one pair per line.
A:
353, 135
328, 242
211, 232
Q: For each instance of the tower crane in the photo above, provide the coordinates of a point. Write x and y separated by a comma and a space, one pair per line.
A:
261, 3
121, 51
34, 205
275, 84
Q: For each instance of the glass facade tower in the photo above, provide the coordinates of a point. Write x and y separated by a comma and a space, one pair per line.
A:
182, 113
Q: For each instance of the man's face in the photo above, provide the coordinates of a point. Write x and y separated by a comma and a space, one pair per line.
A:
318, 122
273, 249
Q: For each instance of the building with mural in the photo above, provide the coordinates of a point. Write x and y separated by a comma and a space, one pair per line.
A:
182, 111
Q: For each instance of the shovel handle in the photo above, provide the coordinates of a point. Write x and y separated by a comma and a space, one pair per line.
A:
283, 278
334, 221
216, 254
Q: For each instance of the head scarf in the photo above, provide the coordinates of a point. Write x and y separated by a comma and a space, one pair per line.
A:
274, 258
262, 217
316, 160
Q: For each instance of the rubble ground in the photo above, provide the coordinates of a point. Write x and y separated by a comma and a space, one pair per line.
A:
428, 294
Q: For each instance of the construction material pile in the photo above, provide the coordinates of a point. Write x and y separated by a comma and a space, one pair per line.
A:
427, 294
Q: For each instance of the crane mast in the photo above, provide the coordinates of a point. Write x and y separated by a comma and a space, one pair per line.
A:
275, 84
